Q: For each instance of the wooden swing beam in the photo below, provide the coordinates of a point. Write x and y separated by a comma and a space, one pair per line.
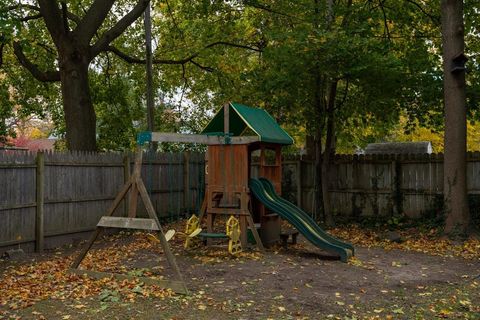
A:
200, 138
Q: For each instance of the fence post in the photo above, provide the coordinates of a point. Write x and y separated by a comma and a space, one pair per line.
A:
396, 170
299, 183
186, 180
126, 176
39, 194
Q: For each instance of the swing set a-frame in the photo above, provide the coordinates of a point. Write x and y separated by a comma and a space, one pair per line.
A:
136, 187
227, 191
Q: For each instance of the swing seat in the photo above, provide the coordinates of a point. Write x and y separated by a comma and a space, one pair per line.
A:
127, 223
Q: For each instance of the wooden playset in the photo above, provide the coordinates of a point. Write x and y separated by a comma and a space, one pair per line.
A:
229, 170
227, 193
233, 136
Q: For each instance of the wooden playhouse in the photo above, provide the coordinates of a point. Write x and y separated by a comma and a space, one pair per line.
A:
247, 132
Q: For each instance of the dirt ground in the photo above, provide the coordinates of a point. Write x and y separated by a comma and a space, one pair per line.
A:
299, 282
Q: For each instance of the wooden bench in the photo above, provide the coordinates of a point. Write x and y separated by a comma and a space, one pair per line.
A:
284, 235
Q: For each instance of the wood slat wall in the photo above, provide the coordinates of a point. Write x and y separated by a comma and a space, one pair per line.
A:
376, 185
79, 187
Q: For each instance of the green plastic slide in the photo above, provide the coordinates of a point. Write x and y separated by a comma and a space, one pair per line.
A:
264, 191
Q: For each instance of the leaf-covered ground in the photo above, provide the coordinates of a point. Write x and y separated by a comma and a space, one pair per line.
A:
424, 277
412, 240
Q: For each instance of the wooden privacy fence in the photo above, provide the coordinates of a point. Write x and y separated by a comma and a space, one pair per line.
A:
49, 199
377, 185
57, 197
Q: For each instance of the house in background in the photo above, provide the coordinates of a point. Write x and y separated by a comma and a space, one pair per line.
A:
26, 144
417, 147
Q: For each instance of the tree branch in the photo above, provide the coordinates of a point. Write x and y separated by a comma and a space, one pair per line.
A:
92, 20
47, 76
118, 28
22, 5
70, 15
434, 19
136, 60
231, 44
66, 28
73, 17
52, 17
190, 58
345, 94
49, 50
204, 68
257, 5
385, 22
28, 18
170, 12
2, 45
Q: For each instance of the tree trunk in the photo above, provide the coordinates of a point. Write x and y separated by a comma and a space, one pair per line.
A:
328, 153
80, 119
455, 182
319, 108
319, 209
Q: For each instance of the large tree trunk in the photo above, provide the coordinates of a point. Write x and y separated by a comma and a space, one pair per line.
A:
319, 108
455, 182
80, 116
318, 209
328, 153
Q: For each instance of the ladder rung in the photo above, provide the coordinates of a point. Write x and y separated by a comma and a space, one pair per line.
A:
127, 223
228, 205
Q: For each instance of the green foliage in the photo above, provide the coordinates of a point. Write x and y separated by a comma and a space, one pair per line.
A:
279, 55
118, 110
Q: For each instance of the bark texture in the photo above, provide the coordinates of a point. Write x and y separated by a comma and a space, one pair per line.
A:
455, 164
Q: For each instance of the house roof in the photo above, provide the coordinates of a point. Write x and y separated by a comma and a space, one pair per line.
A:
399, 147
242, 118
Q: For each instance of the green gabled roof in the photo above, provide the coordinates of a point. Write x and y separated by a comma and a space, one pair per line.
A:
243, 118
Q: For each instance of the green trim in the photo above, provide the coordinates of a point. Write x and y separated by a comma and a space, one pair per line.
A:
264, 191
213, 235
142, 137
217, 134
243, 118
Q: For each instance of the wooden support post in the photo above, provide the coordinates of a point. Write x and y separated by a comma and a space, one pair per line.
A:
243, 230
299, 183
39, 214
126, 178
87, 247
203, 210
210, 223
163, 241
132, 208
135, 185
278, 169
396, 182
226, 118
256, 236
186, 181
